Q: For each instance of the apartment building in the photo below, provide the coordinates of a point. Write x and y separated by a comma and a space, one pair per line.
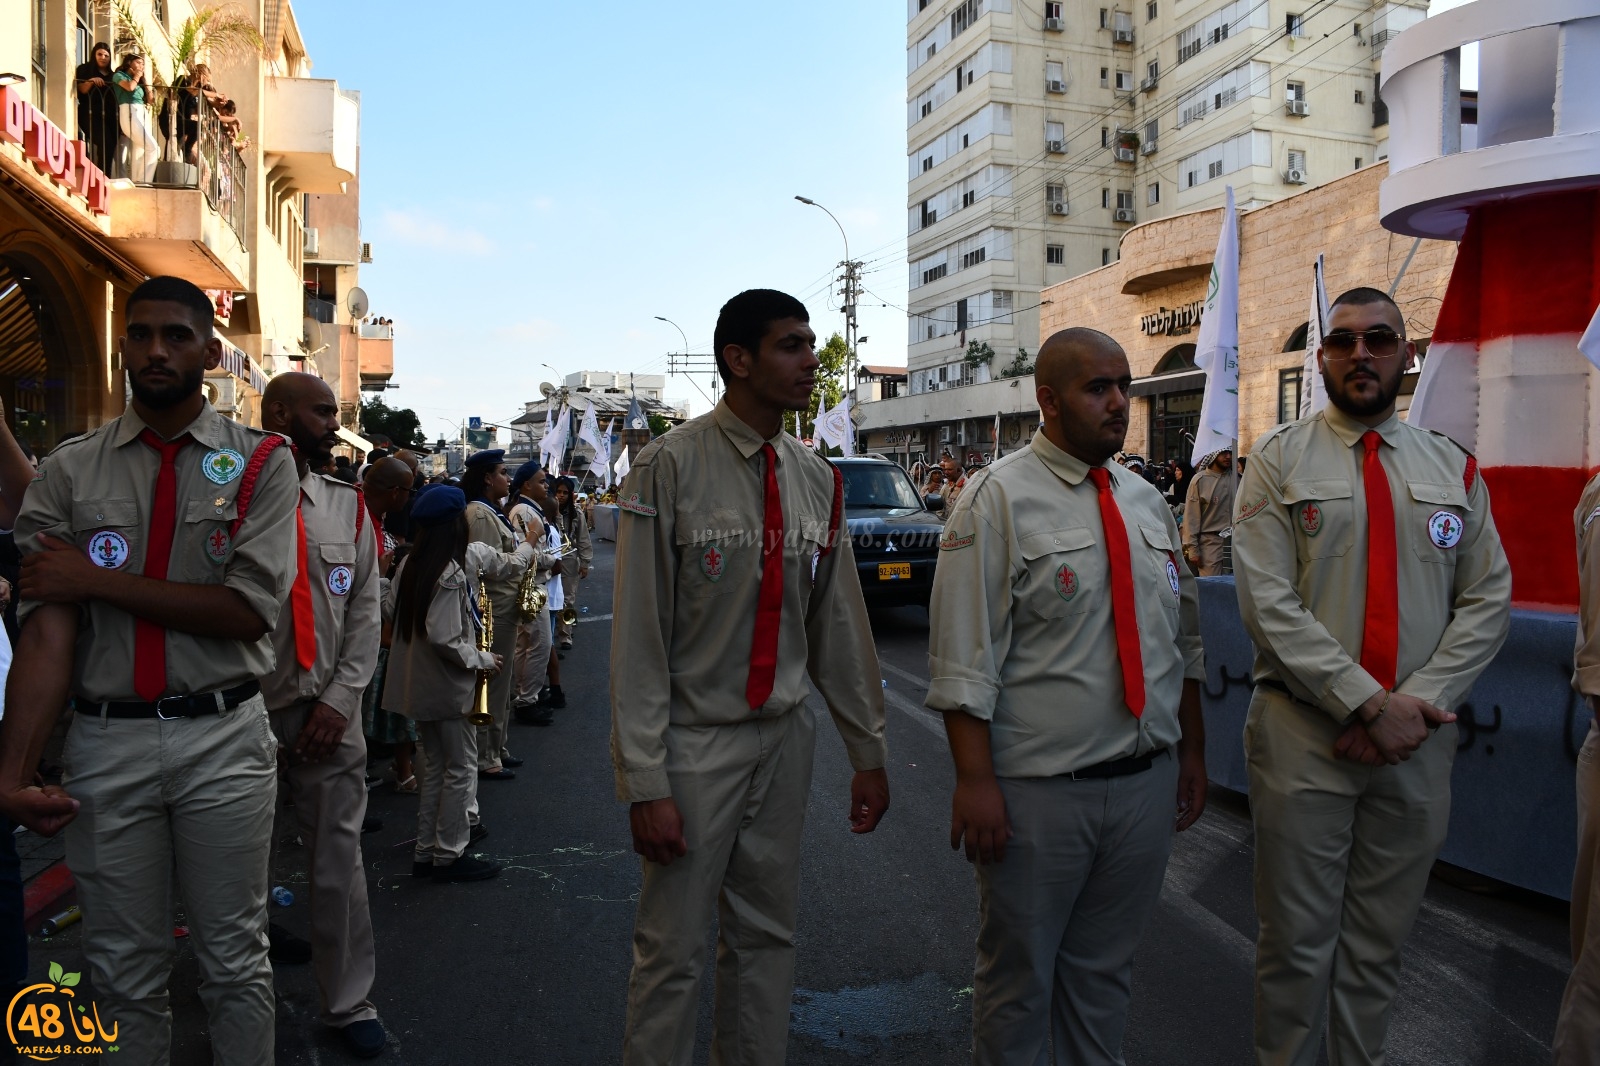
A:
219, 199
1039, 134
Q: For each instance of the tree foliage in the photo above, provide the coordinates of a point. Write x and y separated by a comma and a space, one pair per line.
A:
399, 424
979, 354
1018, 367
658, 425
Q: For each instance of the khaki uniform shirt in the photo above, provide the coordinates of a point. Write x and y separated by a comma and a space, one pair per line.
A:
1300, 562
1208, 508
575, 530
688, 574
1586, 657
486, 526
1020, 626
96, 492
345, 600
529, 525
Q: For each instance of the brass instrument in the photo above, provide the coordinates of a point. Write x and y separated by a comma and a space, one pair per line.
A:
531, 596
569, 616
480, 713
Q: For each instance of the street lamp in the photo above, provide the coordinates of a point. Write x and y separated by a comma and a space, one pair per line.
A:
686, 373
851, 276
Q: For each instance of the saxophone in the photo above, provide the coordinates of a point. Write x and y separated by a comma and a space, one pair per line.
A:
531, 596
480, 714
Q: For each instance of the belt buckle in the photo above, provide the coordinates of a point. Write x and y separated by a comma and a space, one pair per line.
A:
169, 717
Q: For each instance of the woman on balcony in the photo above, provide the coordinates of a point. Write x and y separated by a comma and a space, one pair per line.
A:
133, 115
97, 106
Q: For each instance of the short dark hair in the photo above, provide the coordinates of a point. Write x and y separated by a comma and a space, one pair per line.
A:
167, 289
745, 319
1364, 296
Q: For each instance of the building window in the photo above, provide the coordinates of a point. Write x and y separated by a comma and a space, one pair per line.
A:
1296, 90
1358, 162
1055, 254
1150, 11
1055, 77
1153, 71
1105, 77
930, 215
1152, 130
1055, 194
1056, 134
1153, 193
158, 9
961, 315
1361, 97
1357, 29
927, 164
1125, 199
1124, 81
935, 273
1289, 382
1105, 19
1105, 257
974, 257
1052, 11
41, 52
1380, 110
1105, 136
1105, 197
1297, 159
1296, 26
1214, 170
969, 198
964, 16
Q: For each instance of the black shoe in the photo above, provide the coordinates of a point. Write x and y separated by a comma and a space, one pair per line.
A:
371, 824
543, 716
283, 946
496, 775
421, 869
477, 833
566, 645
466, 868
364, 1039
510, 760
558, 699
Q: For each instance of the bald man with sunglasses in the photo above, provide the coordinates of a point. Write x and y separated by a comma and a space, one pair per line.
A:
1372, 580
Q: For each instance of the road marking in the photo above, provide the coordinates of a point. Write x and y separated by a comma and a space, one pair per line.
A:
593, 618
929, 720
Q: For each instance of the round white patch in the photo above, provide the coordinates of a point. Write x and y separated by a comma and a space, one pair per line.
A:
1445, 529
1172, 577
339, 580
108, 549
222, 465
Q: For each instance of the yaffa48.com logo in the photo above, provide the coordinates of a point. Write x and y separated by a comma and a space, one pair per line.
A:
46, 1021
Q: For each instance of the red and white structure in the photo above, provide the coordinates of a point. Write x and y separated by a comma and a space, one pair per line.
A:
1520, 189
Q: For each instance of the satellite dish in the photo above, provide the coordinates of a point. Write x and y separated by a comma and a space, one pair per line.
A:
311, 329
546, 389
357, 302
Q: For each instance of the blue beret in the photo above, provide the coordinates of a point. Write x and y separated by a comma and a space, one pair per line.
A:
487, 457
437, 503
527, 471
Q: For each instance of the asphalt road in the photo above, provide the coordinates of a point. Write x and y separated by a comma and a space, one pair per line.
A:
533, 967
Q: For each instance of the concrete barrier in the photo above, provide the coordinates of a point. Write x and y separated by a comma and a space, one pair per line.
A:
1513, 814
605, 521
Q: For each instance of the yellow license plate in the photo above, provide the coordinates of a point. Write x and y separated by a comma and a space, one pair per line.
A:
894, 571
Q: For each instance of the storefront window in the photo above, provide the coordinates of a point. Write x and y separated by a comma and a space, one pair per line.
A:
1176, 417
1289, 385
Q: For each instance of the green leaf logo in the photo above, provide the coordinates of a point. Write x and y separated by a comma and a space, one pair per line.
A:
55, 973
69, 979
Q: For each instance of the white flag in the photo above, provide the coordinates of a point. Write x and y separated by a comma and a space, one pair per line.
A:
589, 431
603, 456
1313, 391
1217, 349
554, 447
623, 466
1589, 343
834, 427
816, 425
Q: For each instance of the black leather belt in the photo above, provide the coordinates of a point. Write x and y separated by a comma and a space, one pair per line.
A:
168, 708
1283, 690
1132, 764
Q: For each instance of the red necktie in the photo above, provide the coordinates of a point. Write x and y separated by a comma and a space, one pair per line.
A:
305, 617
1380, 636
149, 638
1124, 612
769, 604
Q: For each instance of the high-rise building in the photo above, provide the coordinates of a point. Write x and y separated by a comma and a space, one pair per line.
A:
1039, 134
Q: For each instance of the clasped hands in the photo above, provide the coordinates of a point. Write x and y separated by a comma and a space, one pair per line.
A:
1387, 728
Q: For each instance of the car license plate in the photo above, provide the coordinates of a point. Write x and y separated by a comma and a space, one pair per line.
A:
894, 571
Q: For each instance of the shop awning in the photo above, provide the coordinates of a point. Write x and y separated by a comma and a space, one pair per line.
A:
1187, 381
359, 443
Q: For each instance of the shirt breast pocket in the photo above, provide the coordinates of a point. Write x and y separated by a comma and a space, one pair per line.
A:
711, 545
1065, 572
207, 532
1322, 511
338, 568
1436, 516
1159, 564
110, 531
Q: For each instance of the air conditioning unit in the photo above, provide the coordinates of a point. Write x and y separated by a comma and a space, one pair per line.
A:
1058, 207
1055, 85
1122, 153
1297, 107
1121, 36
222, 392
310, 246
1294, 176
1055, 147
1149, 84
366, 251
1056, 24
1124, 214
1149, 147
944, 435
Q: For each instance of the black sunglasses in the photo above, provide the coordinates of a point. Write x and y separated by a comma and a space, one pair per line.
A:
1381, 342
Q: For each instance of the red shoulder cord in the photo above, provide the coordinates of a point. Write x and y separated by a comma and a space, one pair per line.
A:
252, 473
1471, 471
838, 510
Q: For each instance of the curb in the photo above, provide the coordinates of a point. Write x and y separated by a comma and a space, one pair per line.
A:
42, 896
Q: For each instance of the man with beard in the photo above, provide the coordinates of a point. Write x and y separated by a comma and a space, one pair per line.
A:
157, 552
1208, 512
326, 643
1371, 578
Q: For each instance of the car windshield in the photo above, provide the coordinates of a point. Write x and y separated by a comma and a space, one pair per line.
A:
879, 485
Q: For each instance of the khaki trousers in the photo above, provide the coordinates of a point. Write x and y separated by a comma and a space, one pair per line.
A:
492, 737
569, 593
1063, 913
1211, 554
330, 800
447, 778
742, 791
533, 658
193, 795
1577, 1040
1343, 853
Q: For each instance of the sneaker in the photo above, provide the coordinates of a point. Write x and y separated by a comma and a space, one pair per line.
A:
466, 868
364, 1039
542, 717
558, 699
510, 760
477, 833
283, 946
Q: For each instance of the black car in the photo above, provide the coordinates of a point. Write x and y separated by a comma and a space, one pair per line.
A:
894, 535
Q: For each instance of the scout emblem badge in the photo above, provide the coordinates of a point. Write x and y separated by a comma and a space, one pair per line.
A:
108, 549
713, 563
1172, 574
1445, 529
1311, 519
222, 466
339, 580
1066, 582
217, 544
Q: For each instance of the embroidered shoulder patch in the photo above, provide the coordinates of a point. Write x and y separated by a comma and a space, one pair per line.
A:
1251, 510
951, 542
632, 503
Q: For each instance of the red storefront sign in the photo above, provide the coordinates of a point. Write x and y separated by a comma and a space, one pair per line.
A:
51, 151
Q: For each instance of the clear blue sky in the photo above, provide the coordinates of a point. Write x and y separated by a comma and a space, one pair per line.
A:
539, 180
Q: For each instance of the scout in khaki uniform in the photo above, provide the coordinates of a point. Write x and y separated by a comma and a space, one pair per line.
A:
1208, 514
1372, 581
532, 660
326, 643
735, 579
1577, 1040
158, 550
574, 526
485, 484
1064, 648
